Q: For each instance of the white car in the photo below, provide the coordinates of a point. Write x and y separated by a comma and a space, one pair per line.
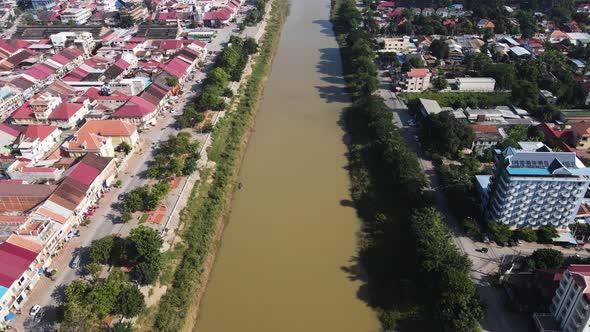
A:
35, 310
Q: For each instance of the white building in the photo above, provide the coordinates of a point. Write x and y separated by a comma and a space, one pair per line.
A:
38, 140
482, 84
77, 15
10, 98
128, 86
396, 44
106, 5
571, 303
534, 186
417, 79
79, 39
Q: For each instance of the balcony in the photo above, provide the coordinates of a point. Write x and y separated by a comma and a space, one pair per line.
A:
565, 194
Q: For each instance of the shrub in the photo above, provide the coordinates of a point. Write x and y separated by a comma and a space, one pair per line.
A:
527, 234
471, 227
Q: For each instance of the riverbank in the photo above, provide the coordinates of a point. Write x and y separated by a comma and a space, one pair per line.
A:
417, 278
205, 217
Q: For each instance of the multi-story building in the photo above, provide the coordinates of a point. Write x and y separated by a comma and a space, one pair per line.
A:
38, 140
571, 304
128, 86
137, 12
10, 98
79, 39
417, 79
78, 16
106, 5
396, 44
534, 186
43, 4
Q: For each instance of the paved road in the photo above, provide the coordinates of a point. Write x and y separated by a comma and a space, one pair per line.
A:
498, 318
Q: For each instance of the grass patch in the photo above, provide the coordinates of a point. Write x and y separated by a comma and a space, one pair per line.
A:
144, 218
170, 260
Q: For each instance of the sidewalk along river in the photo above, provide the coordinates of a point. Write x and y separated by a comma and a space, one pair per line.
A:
288, 251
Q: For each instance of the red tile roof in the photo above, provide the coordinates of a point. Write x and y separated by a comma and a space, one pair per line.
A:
23, 112
10, 130
135, 107
94, 94
550, 131
13, 45
217, 15
84, 173
484, 128
40, 71
39, 131
14, 261
176, 67
108, 128
65, 111
418, 72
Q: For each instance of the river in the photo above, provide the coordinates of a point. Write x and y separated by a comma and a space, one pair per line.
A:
287, 253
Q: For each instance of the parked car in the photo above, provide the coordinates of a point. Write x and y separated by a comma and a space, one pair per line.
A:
485, 238
35, 310
512, 243
75, 263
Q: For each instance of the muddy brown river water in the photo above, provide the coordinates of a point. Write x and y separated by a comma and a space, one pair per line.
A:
286, 253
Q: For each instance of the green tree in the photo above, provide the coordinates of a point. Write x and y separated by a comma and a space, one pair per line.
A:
439, 48
144, 245
171, 81
417, 62
147, 272
135, 200
94, 270
388, 59
471, 227
100, 250
130, 302
525, 93
250, 46
218, 78
446, 271
444, 134
503, 73
440, 83
228, 59
124, 147
121, 327
546, 234
126, 21
527, 234
488, 34
547, 259
499, 232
